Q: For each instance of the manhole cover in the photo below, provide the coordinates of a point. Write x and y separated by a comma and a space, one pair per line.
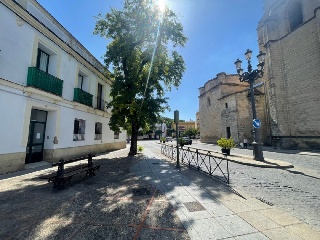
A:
141, 191
194, 206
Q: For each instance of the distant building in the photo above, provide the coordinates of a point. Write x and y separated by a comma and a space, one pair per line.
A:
162, 129
183, 126
53, 92
289, 33
225, 109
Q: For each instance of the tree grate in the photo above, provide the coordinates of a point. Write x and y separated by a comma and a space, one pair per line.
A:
141, 191
194, 206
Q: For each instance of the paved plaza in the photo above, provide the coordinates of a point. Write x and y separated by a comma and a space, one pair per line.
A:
141, 197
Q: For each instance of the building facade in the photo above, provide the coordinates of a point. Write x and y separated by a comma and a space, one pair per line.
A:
53, 92
289, 33
198, 121
225, 109
183, 126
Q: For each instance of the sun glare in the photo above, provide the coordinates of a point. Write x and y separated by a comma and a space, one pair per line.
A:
162, 5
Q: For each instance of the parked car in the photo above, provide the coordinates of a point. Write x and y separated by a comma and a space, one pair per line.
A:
186, 141
168, 139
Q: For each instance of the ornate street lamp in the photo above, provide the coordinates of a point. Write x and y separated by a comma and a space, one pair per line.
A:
250, 77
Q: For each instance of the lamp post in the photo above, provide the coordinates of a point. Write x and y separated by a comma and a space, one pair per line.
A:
250, 77
176, 120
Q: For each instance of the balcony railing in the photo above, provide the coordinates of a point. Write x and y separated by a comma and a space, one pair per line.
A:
98, 136
83, 97
100, 104
44, 81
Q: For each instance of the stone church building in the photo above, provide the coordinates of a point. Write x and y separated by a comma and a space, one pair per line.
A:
289, 32
288, 99
225, 108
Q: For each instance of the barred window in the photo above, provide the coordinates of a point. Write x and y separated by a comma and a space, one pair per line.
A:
98, 131
116, 134
79, 128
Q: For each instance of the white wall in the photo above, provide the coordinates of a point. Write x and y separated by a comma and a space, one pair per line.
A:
16, 44
11, 120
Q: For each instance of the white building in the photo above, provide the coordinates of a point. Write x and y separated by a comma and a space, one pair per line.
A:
52, 91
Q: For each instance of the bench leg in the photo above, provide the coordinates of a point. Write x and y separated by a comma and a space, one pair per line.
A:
58, 183
90, 172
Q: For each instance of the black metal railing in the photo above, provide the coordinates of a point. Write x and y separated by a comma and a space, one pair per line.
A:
202, 160
44, 81
100, 104
97, 136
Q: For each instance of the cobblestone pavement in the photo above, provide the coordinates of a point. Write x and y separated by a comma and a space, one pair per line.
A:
295, 190
113, 204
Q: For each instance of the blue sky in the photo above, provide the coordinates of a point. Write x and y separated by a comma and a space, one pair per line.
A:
219, 32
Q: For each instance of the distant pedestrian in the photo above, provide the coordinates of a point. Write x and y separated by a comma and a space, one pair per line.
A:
245, 143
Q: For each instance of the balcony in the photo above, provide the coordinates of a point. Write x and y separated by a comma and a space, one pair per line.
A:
100, 104
44, 81
83, 97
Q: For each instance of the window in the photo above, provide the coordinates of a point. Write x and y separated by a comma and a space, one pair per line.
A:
80, 81
116, 135
83, 81
100, 102
208, 102
43, 60
98, 131
79, 129
228, 132
226, 105
295, 15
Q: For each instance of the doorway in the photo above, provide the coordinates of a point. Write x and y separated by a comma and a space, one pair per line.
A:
37, 129
228, 132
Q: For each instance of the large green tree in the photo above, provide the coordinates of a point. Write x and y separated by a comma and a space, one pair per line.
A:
144, 61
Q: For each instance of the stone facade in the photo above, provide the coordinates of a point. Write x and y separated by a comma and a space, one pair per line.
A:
289, 33
225, 109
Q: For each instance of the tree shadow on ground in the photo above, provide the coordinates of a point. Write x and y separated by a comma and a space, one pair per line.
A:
100, 207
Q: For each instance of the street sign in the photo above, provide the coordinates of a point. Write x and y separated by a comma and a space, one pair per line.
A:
256, 123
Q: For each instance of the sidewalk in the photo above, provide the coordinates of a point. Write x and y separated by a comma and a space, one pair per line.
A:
141, 197
209, 209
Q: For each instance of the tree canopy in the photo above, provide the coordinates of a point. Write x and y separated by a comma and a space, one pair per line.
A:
144, 62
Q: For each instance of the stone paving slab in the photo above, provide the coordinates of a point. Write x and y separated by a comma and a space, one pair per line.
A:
305, 231
258, 220
209, 228
280, 217
252, 236
235, 225
281, 234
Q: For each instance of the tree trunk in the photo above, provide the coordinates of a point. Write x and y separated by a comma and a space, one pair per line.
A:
134, 139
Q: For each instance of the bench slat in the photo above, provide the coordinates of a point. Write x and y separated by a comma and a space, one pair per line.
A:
64, 175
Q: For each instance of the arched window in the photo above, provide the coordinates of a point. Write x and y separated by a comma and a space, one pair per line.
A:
295, 15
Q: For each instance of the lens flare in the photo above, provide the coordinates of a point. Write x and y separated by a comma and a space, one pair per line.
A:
162, 5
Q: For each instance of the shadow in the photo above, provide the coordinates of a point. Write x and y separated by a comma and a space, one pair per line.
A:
214, 184
24, 172
108, 205
301, 173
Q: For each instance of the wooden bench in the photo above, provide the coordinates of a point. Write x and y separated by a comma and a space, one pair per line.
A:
64, 175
